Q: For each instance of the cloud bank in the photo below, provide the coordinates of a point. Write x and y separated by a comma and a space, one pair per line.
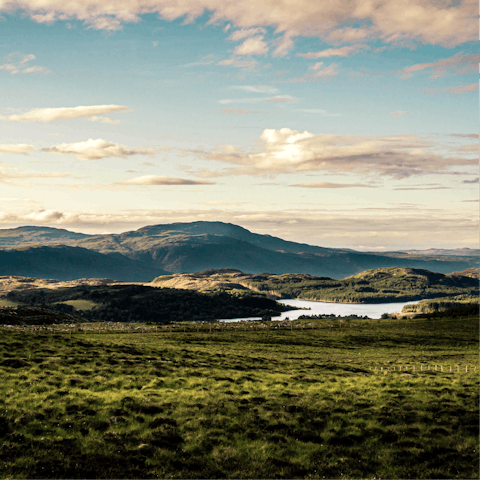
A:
290, 151
431, 22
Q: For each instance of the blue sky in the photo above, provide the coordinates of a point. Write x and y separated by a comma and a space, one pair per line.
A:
327, 123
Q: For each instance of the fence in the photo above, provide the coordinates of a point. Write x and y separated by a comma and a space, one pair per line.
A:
426, 368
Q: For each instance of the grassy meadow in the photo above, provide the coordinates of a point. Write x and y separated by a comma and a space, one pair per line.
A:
311, 399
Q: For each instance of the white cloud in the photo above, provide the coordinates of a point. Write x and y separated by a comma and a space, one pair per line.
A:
252, 46
46, 115
289, 151
162, 180
245, 33
16, 62
20, 148
345, 51
97, 149
104, 120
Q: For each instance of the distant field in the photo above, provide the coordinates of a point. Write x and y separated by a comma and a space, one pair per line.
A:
81, 304
8, 303
321, 399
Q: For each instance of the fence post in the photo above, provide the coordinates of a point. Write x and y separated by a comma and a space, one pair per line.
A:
458, 368
441, 368
466, 368
421, 368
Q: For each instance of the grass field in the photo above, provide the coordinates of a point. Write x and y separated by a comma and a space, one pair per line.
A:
244, 400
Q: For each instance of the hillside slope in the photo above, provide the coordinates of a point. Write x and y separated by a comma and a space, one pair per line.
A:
371, 286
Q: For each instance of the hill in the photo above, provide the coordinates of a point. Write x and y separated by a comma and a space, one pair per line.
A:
137, 303
199, 246
68, 263
371, 286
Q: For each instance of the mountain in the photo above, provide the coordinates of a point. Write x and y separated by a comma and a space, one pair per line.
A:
457, 252
23, 236
198, 246
67, 263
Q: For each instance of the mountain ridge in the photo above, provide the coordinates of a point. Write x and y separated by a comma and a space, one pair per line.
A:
197, 246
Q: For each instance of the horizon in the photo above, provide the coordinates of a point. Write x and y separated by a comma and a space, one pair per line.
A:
343, 125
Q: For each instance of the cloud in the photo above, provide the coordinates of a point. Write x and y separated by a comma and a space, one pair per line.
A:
324, 113
290, 151
155, 43
275, 99
422, 188
316, 73
206, 60
279, 99
46, 115
19, 148
238, 111
399, 113
255, 88
345, 51
252, 46
16, 62
464, 135
331, 185
442, 67
473, 87
161, 180
97, 149
6, 175
245, 33
104, 120
475, 180
427, 21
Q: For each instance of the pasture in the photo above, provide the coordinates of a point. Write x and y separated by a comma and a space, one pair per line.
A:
309, 399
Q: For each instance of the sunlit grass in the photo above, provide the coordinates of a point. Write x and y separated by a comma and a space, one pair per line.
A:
296, 402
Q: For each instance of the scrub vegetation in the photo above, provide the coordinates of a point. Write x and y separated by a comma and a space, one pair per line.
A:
316, 398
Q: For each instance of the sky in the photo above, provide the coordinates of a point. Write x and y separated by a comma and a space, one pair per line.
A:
340, 124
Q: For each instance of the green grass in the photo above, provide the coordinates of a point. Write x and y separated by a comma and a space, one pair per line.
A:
4, 302
81, 304
240, 401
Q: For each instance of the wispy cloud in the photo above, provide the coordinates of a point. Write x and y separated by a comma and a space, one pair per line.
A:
20, 148
316, 73
473, 87
475, 180
162, 180
238, 111
16, 62
399, 113
445, 65
46, 115
255, 88
97, 149
332, 185
324, 113
345, 51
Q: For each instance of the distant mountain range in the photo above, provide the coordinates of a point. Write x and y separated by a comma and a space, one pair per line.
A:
148, 252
